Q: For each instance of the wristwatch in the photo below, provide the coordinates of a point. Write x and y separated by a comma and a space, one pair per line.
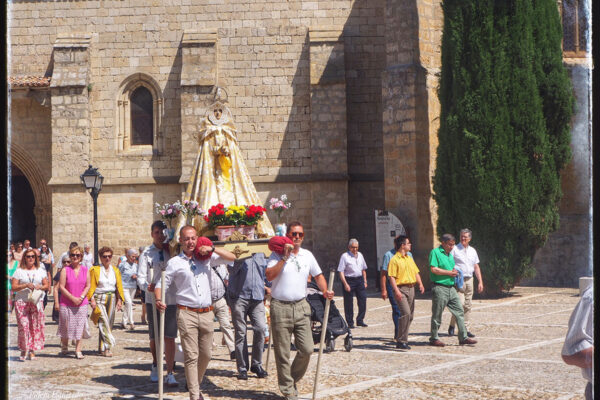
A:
285, 258
213, 248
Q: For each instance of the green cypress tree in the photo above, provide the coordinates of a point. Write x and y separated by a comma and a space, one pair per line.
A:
504, 132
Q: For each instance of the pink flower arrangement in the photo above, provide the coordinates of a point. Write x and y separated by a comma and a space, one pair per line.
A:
191, 208
168, 211
279, 205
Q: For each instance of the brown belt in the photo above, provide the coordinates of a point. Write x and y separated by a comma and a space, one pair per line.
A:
407, 285
198, 310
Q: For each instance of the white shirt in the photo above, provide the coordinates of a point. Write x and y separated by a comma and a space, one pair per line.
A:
35, 276
290, 284
152, 261
49, 252
88, 260
191, 278
107, 281
351, 266
217, 287
580, 334
465, 259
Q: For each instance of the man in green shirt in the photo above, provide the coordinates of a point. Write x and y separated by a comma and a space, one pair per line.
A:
442, 274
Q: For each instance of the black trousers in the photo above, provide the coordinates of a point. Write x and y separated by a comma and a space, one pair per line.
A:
357, 287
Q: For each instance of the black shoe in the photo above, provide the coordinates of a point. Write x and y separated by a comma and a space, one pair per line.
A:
450, 331
351, 326
259, 371
362, 324
242, 375
469, 334
402, 346
232, 355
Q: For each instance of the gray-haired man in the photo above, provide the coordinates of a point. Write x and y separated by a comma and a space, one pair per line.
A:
88, 256
353, 274
467, 261
128, 270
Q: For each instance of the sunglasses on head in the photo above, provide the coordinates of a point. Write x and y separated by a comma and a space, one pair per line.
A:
297, 234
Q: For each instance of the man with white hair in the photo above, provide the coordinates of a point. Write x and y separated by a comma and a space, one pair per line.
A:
353, 274
128, 270
467, 261
88, 256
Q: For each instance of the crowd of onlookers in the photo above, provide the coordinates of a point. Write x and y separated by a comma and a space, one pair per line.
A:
74, 282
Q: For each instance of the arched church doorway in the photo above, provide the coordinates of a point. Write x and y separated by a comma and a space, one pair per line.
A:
22, 200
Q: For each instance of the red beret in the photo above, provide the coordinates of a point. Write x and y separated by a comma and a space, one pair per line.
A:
277, 243
202, 241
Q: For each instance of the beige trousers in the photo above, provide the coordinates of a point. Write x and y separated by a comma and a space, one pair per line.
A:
196, 332
221, 311
465, 295
407, 308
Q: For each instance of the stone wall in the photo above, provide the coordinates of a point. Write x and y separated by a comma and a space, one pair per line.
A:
567, 255
261, 56
30, 151
409, 115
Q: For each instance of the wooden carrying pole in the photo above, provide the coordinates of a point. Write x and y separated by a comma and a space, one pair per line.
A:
161, 341
323, 332
155, 327
270, 337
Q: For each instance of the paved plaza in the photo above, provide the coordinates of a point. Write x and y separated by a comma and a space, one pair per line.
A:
517, 357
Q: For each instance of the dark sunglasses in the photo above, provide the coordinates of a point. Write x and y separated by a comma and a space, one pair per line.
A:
106, 256
75, 255
30, 256
298, 234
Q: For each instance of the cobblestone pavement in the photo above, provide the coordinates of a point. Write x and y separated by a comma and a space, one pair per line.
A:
517, 357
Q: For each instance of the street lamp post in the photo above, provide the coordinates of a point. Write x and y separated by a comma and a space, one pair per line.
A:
92, 180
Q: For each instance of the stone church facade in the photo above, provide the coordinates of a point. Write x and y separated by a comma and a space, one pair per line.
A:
335, 103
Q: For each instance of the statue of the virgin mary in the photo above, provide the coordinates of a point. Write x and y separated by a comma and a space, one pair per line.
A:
220, 175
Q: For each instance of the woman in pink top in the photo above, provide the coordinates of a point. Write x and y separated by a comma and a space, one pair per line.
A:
74, 284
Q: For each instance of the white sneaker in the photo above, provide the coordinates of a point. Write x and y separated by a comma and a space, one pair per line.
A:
170, 380
154, 374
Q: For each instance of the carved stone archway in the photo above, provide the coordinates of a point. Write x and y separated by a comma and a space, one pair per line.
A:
43, 199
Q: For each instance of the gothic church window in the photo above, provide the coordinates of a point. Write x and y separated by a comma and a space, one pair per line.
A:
139, 114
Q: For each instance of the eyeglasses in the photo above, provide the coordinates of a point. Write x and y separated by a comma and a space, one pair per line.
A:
106, 256
30, 256
77, 255
297, 234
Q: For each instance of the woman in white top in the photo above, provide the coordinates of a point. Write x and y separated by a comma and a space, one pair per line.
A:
18, 253
30, 316
106, 291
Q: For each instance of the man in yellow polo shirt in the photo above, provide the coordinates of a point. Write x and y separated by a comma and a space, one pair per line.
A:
403, 275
